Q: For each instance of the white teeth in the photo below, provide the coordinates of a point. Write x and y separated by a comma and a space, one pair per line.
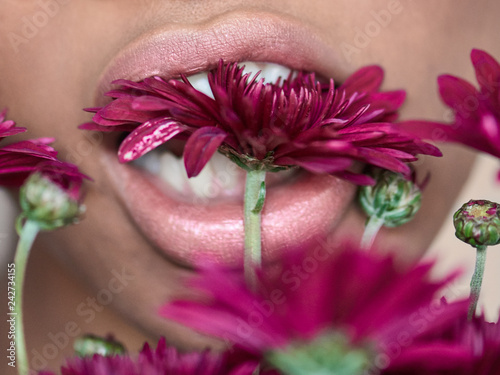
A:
269, 71
172, 170
150, 162
200, 83
220, 177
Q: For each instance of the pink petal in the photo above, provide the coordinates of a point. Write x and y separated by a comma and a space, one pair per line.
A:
37, 148
366, 79
121, 109
434, 131
438, 132
98, 119
200, 147
382, 160
151, 103
487, 70
433, 356
355, 178
8, 128
458, 94
491, 127
147, 137
317, 164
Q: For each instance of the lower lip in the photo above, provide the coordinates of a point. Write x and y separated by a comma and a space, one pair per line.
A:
187, 233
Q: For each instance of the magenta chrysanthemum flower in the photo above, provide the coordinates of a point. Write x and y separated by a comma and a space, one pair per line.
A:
480, 339
322, 309
295, 122
165, 360
476, 111
18, 160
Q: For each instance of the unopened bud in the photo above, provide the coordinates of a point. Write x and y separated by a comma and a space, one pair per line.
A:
46, 203
477, 223
393, 198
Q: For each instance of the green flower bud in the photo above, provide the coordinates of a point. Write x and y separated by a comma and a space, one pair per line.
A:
46, 203
477, 223
327, 354
89, 345
393, 198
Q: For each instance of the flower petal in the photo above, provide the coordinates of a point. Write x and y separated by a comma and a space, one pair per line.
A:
366, 79
147, 137
459, 95
317, 164
487, 71
200, 147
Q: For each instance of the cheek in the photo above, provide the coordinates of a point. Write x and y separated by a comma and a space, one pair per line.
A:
40, 70
51, 59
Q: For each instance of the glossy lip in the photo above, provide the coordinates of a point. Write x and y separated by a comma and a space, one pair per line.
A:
187, 233
232, 37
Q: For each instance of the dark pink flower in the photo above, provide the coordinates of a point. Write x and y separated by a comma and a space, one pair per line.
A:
18, 160
476, 111
164, 360
294, 122
480, 339
354, 295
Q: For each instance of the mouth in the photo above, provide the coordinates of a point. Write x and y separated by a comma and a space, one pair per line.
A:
201, 219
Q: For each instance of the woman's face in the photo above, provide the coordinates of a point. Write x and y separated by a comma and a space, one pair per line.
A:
60, 56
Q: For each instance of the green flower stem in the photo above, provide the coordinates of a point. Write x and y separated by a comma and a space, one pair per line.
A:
26, 239
254, 200
477, 280
371, 230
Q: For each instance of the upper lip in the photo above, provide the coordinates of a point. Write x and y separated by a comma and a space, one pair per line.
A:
231, 37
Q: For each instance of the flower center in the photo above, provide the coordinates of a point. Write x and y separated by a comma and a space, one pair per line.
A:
329, 353
478, 211
481, 210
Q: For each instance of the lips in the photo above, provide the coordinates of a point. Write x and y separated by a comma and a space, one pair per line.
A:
189, 231
231, 37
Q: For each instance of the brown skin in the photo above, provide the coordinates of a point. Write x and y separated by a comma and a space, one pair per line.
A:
53, 76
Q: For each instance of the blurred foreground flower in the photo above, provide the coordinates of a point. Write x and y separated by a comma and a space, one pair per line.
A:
481, 340
162, 361
476, 111
265, 126
325, 313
